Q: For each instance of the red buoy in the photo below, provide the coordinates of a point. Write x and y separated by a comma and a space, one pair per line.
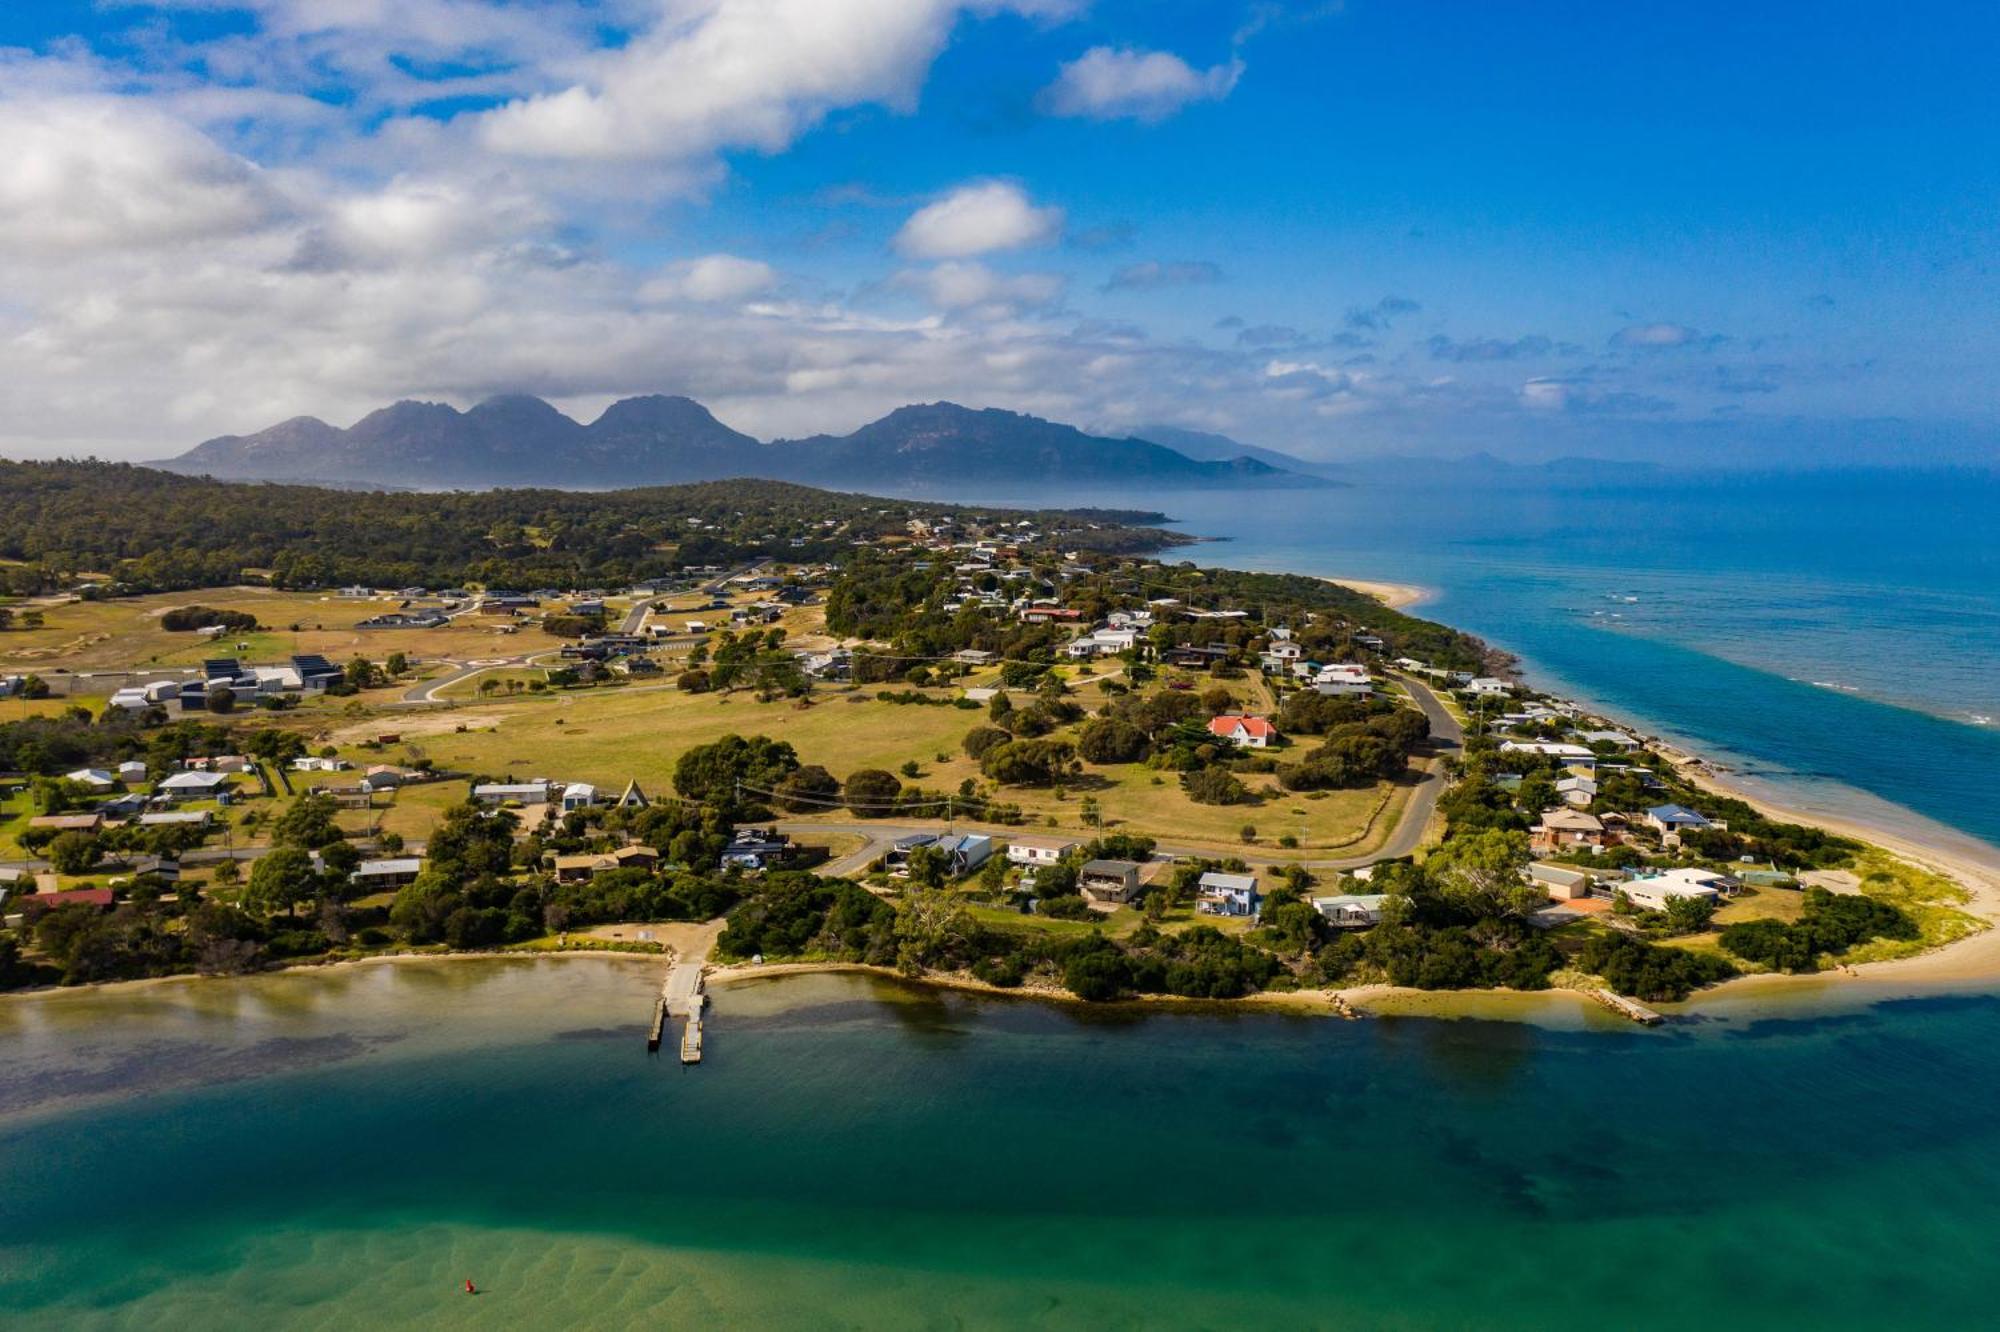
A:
470, 1289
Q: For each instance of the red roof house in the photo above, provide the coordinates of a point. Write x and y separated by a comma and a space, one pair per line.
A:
1249, 732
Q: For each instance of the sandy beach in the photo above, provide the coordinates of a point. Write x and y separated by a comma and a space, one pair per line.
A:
1396, 596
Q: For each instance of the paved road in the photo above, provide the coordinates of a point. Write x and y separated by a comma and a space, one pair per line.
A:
1447, 736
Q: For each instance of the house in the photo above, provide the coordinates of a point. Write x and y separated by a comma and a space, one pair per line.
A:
194, 785
131, 772
579, 795
1195, 657
1577, 791
1564, 828
1108, 883
1038, 851
1280, 655
62, 823
1562, 883
1219, 894
1486, 686
97, 779
525, 793
122, 806
384, 875
965, 852
385, 777
897, 859
1103, 643
576, 869
1565, 754
1673, 820
310, 763
755, 849
1653, 891
975, 657
633, 797
1351, 911
1343, 679
1245, 732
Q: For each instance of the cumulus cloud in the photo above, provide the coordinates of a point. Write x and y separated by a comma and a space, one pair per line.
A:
1123, 83
1153, 273
737, 73
976, 219
712, 278
86, 172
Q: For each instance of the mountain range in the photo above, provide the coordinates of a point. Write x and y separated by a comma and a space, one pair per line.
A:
516, 440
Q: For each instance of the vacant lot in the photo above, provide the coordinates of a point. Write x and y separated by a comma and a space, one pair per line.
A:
609, 736
126, 635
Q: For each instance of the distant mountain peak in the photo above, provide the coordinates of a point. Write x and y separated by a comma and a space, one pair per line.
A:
522, 440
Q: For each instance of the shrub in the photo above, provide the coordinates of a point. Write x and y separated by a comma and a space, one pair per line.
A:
1214, 786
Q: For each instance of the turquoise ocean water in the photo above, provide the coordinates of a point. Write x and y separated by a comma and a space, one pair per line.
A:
1834, 636
343, 1149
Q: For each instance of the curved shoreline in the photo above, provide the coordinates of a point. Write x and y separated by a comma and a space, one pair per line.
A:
1396, 596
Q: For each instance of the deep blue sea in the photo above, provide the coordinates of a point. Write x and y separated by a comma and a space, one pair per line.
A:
1834, 636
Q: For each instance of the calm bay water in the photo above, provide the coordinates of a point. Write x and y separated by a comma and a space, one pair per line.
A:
343, 1149
1834, 636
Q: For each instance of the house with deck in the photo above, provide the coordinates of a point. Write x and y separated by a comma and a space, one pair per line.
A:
1108, 884
1220, 894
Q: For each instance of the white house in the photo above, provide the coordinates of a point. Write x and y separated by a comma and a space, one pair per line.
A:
579, 795
97, 779
1577, 791
1487, 686
1038, 851
1351, 911
1654, 891
194, 785
1280, 655
1246, 732
1342, 679
131, 771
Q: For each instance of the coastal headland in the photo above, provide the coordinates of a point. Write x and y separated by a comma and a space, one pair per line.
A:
999, 750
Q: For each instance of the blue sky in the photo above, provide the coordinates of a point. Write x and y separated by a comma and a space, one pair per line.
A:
1712, 232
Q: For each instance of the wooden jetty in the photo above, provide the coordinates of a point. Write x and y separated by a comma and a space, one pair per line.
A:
681, 995
1628, 1008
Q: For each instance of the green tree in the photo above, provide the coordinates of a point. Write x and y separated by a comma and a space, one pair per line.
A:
73, 853
712, 772
281, 879
872, 793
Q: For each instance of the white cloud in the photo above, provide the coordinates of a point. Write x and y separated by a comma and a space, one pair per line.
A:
717, 74
977, 219
970, 285
86, 172
713, 278
1122, 83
